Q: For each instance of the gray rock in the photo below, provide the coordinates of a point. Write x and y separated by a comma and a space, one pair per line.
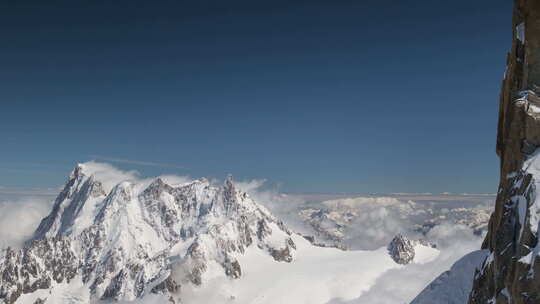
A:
401, 249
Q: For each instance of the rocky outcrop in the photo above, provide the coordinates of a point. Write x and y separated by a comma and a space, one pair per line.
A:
401, 249
511, 273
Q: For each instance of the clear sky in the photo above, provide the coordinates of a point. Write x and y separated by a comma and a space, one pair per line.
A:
314, 96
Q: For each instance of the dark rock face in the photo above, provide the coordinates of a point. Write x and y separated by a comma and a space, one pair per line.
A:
401, 249
511, 273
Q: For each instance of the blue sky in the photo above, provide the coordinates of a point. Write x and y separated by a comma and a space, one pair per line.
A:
314, 96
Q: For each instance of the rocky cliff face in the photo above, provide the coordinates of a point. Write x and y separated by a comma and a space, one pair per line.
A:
124, 244
511, 273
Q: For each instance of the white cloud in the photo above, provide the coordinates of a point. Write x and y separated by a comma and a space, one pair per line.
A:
20, 217
285, 207
252, 186
359, 202
108, 175
136, 162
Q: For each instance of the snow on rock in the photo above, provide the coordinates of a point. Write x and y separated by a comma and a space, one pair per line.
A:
520, 32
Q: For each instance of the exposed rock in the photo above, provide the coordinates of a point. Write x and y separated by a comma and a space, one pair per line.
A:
313, 242
511, 274
401, 249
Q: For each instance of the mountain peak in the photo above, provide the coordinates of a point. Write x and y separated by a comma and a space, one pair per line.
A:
77, 199
125, 240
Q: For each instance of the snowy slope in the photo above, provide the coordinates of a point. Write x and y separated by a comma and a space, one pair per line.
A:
318, 275
454, 285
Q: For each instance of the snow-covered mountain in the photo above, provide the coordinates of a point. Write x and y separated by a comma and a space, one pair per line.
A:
122, 244
193, 242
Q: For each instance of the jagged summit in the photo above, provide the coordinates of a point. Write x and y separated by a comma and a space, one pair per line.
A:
125, 242
77, 200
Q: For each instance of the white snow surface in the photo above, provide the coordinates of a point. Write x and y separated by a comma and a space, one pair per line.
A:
318, 275
66, 293
454, 285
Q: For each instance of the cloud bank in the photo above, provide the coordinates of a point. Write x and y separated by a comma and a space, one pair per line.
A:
20, 217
